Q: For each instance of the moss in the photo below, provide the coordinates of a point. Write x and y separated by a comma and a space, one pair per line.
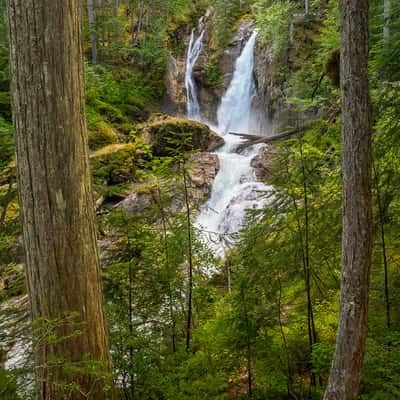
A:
212, 73
170, 136
134, 112
114, 165
102, 136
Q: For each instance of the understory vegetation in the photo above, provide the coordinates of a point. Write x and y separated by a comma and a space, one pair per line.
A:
260, 323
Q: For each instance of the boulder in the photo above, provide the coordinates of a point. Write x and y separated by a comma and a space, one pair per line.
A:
114, 164
170, 135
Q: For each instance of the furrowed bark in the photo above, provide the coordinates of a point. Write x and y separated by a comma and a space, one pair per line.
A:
57, 209
347, 364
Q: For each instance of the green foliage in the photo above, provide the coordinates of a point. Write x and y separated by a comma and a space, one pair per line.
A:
322, 355
6, 142
8, 386
6, 139
213, 74
5, 105
226, 17
119, 95
273, 21
64, 330
4, 67
384, 60
146, 279
382, 369
151, 52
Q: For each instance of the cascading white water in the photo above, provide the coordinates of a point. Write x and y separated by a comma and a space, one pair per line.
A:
234, 112
195, 47
235, 189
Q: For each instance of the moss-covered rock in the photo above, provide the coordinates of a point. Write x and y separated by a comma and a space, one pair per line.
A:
113, 165
102, 135
170, 136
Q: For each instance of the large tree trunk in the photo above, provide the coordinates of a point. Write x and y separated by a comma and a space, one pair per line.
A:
347, 364
57, 209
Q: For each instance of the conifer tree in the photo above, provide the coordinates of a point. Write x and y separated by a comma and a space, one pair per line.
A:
57, 209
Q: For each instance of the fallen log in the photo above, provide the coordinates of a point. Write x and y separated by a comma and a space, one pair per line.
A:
257, 139
247, 136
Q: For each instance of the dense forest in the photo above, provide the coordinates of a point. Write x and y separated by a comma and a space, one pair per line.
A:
200, 199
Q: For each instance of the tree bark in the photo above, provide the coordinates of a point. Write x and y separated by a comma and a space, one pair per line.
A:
348, 360
57, 209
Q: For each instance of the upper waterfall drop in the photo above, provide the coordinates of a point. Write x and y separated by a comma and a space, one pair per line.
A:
235, 110
194, 50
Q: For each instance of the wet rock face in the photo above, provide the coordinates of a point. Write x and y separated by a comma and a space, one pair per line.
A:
230, 55
205, 167
272, 90
269, 102
263, 162
174, 101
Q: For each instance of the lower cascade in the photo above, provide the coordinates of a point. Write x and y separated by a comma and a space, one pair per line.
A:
235, 189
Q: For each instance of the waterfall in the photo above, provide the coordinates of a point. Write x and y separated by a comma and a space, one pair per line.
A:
236, 105
235, 189
194, 50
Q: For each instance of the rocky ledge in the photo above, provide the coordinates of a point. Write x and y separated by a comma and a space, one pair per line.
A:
203, 170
